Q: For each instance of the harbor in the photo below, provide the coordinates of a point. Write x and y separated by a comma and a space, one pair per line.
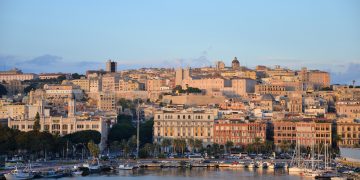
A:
91, 169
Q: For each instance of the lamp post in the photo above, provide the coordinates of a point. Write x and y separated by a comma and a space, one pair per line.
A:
137, 130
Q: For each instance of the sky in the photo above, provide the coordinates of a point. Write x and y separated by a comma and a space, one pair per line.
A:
73, 36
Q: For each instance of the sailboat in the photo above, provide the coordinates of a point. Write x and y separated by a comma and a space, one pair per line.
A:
295, 166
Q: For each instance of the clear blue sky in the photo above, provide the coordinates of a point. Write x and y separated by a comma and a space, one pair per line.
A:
321, 34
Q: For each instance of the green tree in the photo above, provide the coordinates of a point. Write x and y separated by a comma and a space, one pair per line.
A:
93, 148
229, 145
7, 140
3, 90
198, 144
76, 76
84, 137
146, 132
191, 144
37, 126
165, 143
149, 148
121, 131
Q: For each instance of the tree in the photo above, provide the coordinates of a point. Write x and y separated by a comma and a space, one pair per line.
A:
3, 90
215, 149
76, 76
121, 131
229, 145
182, 145
149, 148
257, 144
165, 144
93, 148
7, 140
30, 87
84, 137
198, 144
37, 126
132, 143
191, 144
146, 132
61, 78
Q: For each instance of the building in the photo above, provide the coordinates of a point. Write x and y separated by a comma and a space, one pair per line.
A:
304, 132
295, 103
184, 124
220, 65
235, 64
111, 66
349, 131
62, 125
107, 101
95, 84
238, 132
55, 91
83, 83
110, 82
53, 75
180, 75
274, 90
130, 85
349, 108
16, 74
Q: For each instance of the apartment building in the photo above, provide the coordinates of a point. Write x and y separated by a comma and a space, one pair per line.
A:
349, 131
238, 131
304, 132
184, 124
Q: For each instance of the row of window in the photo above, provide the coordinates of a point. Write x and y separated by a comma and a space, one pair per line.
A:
184, 117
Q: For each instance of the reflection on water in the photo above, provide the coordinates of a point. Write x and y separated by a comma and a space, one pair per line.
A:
195, 173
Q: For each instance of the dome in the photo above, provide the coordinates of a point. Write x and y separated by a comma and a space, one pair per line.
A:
235, 60
267, 97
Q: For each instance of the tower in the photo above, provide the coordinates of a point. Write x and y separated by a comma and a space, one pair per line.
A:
71, 106
111, 66
235, 64
178, 76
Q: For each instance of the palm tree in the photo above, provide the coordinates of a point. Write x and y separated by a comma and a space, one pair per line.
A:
229, 145
124, 145
257, 144
175, 144
165, 144
191, 144
198, 144
182, 145
149, 148
215, 149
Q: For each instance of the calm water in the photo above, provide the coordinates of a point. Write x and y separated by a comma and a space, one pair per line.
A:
194, 173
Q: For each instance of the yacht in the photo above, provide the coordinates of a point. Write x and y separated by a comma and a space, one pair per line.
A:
94, 166
19, 175
52, 174
126, 167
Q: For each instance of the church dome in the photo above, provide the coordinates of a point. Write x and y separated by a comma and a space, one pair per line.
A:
235, 61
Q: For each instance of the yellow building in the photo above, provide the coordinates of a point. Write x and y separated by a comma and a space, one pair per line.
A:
184, 124
349, 131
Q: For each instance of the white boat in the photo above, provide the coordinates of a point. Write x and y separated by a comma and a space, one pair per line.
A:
271, 166
296, 170
95, 166
252, 165
126, 167
77, 173
18, 175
